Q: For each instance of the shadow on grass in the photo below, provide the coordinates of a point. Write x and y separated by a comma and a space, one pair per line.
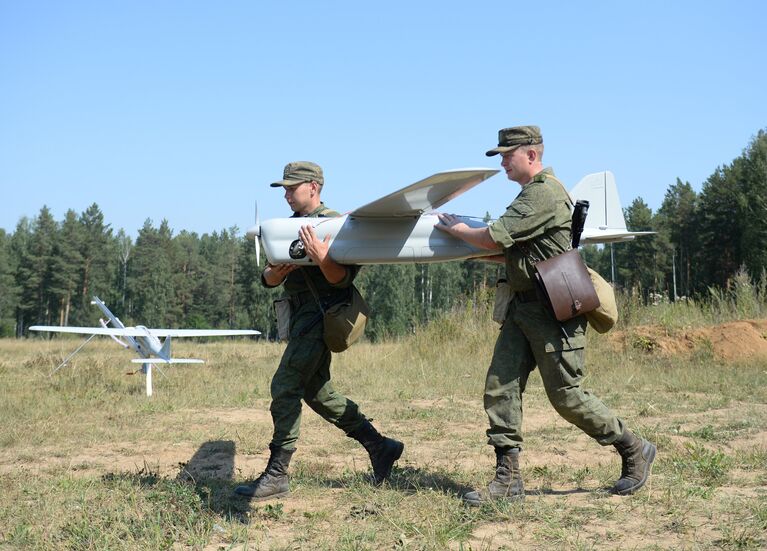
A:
213, 460
403, 479
210, 473
411, 479
550, 492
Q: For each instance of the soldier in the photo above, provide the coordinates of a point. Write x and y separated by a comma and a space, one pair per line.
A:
304, 371
538, 221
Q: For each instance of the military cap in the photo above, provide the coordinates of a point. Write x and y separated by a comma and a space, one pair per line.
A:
299, 172
511, 138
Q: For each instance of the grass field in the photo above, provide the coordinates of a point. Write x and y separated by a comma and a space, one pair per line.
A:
87, 461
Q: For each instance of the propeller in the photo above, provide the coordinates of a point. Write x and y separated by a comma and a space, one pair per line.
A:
255, 232
256, 238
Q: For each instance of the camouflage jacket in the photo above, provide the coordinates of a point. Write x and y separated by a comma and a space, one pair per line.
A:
536, 224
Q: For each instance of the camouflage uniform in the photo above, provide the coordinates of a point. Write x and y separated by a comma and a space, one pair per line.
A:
304, 371
539, 220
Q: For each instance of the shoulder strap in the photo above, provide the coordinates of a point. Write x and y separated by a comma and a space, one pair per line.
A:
531, 258
313, 289
567, 193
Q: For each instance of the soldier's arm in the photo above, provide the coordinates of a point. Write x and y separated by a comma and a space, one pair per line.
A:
479, 237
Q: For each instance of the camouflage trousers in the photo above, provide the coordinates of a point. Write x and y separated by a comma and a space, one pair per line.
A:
531, 337
304, 374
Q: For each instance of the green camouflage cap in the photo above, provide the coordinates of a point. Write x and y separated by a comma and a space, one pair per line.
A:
511, 138
299, 172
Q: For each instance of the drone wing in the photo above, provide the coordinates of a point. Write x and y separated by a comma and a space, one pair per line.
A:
154, 360
201, 332
142, 331
427, 194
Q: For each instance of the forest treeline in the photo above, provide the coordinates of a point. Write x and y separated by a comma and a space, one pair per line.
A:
49, 269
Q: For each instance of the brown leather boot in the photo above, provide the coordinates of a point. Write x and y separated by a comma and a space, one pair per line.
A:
383, 451
274, 481
637, 455
507, 484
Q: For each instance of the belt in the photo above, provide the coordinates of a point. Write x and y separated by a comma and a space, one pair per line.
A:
531, 295
299, 299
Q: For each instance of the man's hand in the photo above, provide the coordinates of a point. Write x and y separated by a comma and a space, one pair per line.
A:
479, 237
450, 223
274, 274
316, 249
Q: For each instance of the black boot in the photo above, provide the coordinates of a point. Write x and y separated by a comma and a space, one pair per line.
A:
637, 455
274, 481
507, 484
383, 451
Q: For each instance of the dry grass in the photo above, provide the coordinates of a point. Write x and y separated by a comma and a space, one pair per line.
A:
88, 462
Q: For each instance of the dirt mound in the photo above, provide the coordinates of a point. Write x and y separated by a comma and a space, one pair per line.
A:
735, 340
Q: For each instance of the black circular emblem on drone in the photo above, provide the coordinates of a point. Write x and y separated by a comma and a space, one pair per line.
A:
297, 250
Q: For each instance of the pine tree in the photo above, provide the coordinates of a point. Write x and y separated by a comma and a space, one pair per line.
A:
35, 271
187, 270
675, 222
98, 267
67, 263
638, 262
720, 224
754, 184
9, 291
19, 245
150, 281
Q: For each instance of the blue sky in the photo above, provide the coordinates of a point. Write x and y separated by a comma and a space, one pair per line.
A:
187, 110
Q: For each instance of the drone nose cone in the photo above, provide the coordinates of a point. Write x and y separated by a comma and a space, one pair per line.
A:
253, 232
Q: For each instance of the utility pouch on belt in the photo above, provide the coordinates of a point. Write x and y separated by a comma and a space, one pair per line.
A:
282, 309
502, 298
343, 321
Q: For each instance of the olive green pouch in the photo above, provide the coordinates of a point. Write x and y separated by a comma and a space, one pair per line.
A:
282, 309
502, 299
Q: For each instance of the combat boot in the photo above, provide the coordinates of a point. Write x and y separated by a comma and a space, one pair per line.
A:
383, 451
274, 481
507, 484
637, 455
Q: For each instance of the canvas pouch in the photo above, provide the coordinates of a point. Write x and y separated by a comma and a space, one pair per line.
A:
502, 300
344, 322
605, 316
282, 310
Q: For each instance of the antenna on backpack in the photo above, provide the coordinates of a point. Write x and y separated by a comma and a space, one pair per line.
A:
580, 211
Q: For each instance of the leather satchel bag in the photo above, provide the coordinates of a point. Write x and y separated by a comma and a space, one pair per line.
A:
566, 285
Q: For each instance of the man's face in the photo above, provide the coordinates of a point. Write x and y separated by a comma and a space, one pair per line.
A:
516, 165
299, 196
